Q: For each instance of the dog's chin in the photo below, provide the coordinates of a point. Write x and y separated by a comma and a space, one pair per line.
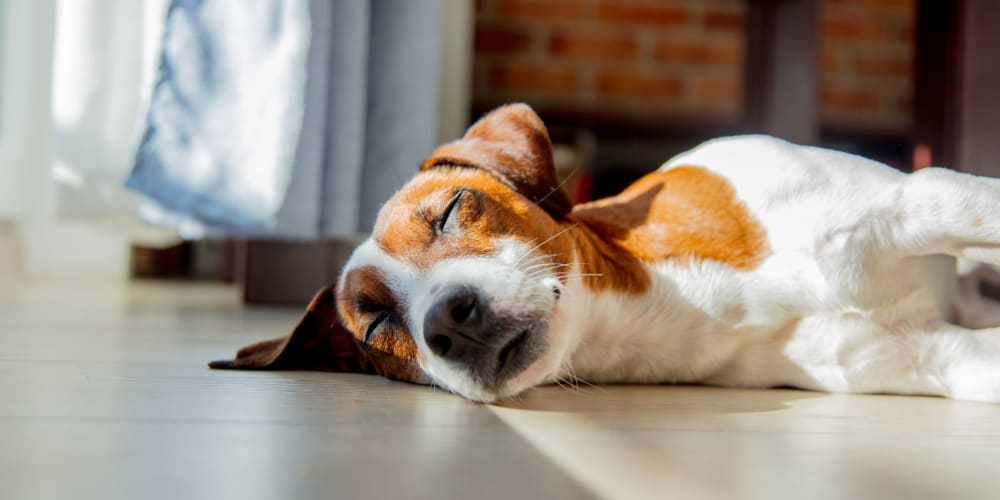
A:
532, 377
544, 369
532, 362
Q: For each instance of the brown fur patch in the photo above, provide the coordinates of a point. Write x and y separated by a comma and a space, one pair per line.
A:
605, 265
362, 297
685, 212
488, 211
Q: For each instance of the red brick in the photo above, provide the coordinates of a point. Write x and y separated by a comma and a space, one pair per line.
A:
517, 77
541, 9
723, 20
840, 100
829, 61
907, 33
593, 45
719, 93
641, 12
501, 40
854, 29
638, 85
698, 53
873, 66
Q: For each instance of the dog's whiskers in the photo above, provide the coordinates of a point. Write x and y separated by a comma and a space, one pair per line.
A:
532, 260
550, 238
541, 269
545, 266
569, 379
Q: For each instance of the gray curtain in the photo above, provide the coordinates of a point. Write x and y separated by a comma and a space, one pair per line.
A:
369, 115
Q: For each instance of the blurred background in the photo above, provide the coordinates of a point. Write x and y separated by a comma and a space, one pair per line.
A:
252, 142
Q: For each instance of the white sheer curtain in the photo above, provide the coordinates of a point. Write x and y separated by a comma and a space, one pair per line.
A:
105, 54
73, 78
75, 82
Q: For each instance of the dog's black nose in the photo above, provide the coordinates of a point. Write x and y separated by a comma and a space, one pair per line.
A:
454, 325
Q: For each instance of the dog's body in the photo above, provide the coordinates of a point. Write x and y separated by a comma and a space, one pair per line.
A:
747, 261
823, 307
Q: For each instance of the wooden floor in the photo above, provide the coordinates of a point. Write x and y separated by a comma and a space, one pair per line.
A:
104, 394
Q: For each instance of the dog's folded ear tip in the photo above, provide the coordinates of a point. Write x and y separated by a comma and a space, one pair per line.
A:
248, 350
241, 364
318, 342
233, 364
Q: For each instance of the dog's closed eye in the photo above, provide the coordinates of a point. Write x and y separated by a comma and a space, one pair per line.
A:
374, 326
375, 310
447, 222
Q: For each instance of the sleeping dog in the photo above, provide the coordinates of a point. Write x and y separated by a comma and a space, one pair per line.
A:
745, 262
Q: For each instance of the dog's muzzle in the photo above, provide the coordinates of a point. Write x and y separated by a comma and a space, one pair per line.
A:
461, 328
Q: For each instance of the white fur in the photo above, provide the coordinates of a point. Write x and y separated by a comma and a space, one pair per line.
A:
852, 298
856, 295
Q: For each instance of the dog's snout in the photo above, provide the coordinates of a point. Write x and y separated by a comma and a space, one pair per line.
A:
454, 325
465, 327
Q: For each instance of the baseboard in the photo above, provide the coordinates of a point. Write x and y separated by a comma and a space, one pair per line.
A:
290, 273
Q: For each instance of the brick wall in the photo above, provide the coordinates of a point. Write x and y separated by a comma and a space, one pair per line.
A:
866, 63
634, 56
683, 58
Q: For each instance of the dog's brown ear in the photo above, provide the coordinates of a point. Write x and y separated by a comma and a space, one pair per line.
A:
319, 342
511, 143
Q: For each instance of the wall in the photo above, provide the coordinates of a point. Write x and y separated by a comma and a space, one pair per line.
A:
668, 58
630, 56
866, 63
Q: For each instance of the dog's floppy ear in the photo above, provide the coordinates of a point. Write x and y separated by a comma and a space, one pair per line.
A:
319, 342
511, 143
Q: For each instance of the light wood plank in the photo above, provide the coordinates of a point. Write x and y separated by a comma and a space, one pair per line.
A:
104, 394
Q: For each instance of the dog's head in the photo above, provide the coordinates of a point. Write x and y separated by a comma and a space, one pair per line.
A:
461, 282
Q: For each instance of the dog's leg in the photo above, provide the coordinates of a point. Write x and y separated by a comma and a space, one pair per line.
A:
943, 211
970, 362
965, 363
934, 358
